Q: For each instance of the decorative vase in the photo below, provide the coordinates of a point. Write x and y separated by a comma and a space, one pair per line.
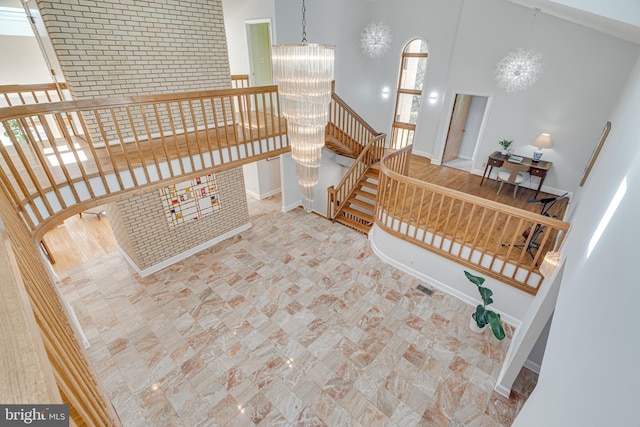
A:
504, 152
474, 326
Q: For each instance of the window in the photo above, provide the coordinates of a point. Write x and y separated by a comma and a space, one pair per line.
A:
410, 85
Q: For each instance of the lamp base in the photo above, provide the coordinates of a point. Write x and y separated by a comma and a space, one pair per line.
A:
537, 155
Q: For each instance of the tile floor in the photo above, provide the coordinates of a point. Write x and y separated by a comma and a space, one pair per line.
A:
294, 322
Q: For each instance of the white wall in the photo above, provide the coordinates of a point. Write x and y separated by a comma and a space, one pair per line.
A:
584, 71
22, 61
590, 370
262, 178
235, 13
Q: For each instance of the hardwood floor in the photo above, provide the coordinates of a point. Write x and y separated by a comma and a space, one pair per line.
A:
422, 169
80, 239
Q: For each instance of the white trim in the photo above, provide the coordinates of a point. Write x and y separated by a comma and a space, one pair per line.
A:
504, 391
532, 366
185, 254
260, 196
422, 154
291, 206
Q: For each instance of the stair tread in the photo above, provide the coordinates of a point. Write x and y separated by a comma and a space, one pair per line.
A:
365, 194
372, 172
368, 184
362, 203
353, 224
359, 214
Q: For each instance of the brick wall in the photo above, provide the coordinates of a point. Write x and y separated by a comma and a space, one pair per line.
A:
143, 232
126, 47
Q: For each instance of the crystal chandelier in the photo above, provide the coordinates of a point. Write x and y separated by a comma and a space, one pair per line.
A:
375, 39
519, 70
304, 73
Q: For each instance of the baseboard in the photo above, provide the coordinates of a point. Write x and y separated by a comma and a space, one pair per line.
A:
170, 261
252, 194
532, 366
266, 195
504, 391
291, 206
421, 154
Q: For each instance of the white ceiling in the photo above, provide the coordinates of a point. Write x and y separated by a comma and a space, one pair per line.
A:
619, 18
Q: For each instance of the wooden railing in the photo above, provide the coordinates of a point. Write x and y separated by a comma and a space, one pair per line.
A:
503, 242
42, 359
135, 142
347, 126
31, 94
402, 135
239, 81
372, 153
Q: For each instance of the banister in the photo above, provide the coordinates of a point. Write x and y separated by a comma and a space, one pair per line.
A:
369, 155
501, 241
362, 121
19, 111
130, 144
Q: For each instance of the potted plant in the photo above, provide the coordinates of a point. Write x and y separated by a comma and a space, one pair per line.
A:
483, 316
505, 144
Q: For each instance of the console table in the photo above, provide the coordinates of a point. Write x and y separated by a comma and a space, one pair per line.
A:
538, 169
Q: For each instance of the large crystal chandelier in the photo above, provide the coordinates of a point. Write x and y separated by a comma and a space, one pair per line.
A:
519, 70
304, 73
375, 39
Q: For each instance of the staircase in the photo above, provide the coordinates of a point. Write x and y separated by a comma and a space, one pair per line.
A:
359, 207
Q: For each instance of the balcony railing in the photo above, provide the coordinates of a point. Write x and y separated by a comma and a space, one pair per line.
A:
128, 143
503, 242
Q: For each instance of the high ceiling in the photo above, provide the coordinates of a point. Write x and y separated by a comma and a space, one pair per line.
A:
619, 18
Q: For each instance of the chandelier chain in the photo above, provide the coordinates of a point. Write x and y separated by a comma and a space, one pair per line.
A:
304, 23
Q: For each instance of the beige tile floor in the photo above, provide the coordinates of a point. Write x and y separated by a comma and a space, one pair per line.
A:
294, 322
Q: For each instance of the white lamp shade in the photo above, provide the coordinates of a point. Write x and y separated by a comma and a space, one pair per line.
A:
542, 141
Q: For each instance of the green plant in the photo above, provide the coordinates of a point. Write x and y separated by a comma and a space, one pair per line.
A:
505, 143
482, 315
15, 129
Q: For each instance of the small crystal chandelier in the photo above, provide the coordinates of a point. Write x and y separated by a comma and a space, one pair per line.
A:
376, 39
304, 73
519, 70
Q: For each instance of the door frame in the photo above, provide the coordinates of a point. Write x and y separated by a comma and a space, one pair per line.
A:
247, 24
437, 160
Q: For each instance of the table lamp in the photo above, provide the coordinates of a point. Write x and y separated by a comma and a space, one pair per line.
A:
542, 141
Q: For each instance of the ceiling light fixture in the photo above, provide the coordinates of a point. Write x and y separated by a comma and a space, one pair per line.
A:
376, 39
521, 68
304, 73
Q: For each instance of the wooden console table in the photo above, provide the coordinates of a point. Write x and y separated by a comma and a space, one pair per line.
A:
538, 169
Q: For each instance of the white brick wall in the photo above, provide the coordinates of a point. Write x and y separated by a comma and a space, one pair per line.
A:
126, 47
143, 232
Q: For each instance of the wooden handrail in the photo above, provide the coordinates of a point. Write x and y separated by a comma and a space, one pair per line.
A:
89, 104
239, 80
482, 234
139, 141
372, 153
347, 127
42, 358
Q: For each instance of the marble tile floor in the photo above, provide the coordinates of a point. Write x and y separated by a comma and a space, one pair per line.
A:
294, 322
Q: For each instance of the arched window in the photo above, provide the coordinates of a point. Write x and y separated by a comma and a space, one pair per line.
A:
409, 95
